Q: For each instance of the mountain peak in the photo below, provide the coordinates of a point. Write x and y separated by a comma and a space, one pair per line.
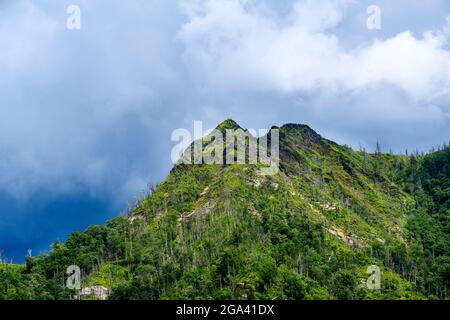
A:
296, 126
228, 124
293, 129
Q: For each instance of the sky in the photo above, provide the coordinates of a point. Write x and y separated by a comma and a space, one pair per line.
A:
87, 114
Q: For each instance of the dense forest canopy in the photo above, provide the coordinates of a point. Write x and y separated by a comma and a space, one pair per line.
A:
226, 232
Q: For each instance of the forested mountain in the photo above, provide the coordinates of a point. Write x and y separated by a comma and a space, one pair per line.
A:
227, 232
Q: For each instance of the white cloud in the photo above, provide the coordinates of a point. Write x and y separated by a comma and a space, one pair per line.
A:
318, 15
243, 49
33, 31
421, 67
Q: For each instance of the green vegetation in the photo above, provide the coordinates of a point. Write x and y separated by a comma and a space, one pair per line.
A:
228, 232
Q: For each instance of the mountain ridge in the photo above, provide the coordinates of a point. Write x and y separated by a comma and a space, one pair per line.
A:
310, 231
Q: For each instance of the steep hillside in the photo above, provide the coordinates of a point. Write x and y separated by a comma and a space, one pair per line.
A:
308, 232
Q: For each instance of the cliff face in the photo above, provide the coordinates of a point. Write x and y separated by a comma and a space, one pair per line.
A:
309, 231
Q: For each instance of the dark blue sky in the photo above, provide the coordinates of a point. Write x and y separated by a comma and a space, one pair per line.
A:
87, 115
37, 223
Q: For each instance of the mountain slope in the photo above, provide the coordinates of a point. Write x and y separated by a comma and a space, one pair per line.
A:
308, 232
